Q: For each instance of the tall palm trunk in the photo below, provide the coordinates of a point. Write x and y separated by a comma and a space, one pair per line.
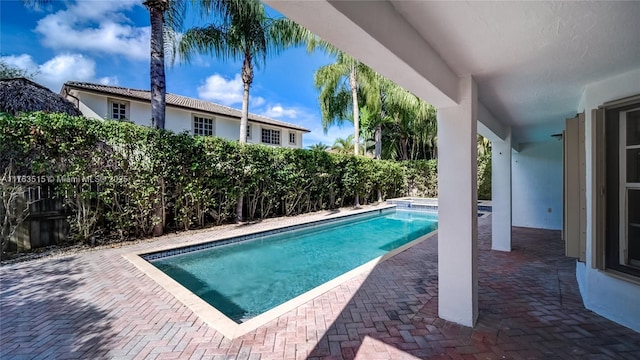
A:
247, 79
404, 148
157, 9
356, 110
158, 85
356, 118
378, 139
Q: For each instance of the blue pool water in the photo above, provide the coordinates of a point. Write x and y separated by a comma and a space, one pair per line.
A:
247, 278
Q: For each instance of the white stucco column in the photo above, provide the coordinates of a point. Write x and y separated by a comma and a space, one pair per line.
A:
501, 193
457, 208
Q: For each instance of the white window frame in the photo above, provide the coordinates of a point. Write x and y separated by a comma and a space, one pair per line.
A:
120, 103
623, 190
610, 239
199, 124
294, 136
248, 131
271, 136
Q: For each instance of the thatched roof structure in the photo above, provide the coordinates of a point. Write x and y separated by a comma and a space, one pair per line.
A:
23, 95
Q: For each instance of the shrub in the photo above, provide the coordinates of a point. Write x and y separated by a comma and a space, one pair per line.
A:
118, 180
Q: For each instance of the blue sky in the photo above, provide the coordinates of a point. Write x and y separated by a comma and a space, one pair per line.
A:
108, 42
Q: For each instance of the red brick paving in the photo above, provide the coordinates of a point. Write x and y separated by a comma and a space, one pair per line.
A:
98, 305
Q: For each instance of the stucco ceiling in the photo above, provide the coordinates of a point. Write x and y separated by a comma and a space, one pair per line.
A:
531, 60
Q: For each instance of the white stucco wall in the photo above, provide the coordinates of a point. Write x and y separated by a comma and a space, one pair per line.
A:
228, 128
92, 106
613, 298
537, 185
140, 113
177, 119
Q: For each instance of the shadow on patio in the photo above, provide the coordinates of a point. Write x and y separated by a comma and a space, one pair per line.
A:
529, 308
41, 319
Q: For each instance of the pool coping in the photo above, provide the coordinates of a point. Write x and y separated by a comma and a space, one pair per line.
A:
223, 324
411, 203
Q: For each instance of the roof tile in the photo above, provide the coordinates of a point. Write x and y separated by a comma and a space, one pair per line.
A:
181, 101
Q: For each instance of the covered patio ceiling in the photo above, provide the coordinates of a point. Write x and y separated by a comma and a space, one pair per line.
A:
531, 60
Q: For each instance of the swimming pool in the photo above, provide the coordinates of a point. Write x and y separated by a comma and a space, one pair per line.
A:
246, 278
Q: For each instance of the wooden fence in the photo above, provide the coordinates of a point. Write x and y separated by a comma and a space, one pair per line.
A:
46, 223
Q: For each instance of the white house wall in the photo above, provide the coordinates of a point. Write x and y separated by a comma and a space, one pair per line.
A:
140, 113
92, 106
177, 119
537, 185
602, 293
229, 129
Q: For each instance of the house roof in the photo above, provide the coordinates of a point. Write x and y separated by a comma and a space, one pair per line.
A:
177, 101
23, 95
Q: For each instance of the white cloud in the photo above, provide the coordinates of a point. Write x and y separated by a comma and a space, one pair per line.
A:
256, 101
23, 61
222, 91
68, 67
54, 72
277, 111
109, 80
97, 26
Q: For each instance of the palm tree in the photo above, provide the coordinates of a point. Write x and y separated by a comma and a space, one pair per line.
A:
166, 18
157, 9
343, 146
340, 84
319, 147
412, 122
484, 146
249, 35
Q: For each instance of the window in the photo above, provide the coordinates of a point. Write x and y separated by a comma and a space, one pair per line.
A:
618, 186
248, 131
118, 110
270, 136
202, 126
292, 138
629, 192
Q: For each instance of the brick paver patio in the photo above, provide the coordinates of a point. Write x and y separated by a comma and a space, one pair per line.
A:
97, 305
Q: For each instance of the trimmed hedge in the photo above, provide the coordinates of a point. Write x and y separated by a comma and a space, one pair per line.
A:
119, 180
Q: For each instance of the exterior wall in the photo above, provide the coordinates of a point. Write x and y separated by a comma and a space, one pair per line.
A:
298, 142
602, 293
228, 128
537, 185
140, 114
92, 106
177, 120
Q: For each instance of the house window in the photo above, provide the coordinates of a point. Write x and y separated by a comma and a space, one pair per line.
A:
292, 138
202, 126
248, 131
629, 192
270, 136
118, 110
618, 177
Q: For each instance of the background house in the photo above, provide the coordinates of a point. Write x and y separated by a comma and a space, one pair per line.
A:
195, 116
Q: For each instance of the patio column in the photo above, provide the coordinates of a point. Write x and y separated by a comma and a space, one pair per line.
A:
457, 208
501, 193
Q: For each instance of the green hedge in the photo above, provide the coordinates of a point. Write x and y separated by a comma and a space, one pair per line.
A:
119, 180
